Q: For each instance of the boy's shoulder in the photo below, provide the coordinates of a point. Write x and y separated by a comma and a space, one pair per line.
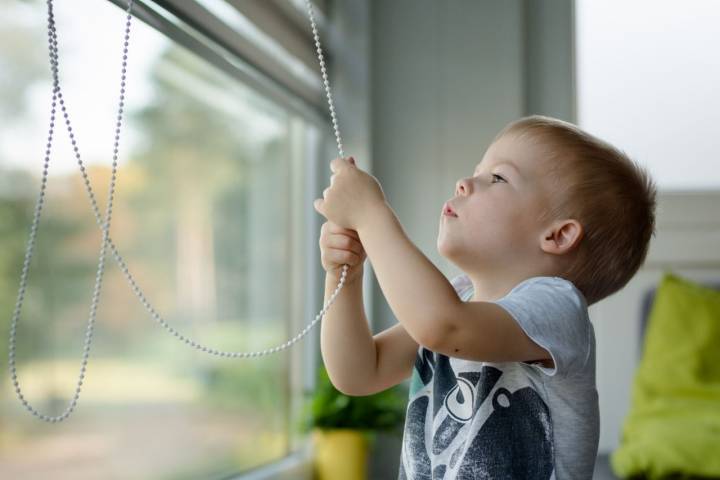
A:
553, 313
464, 287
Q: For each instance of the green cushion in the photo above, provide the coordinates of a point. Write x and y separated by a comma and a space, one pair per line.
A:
674, 421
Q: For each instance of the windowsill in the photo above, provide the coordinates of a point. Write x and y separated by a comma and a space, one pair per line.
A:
296, 466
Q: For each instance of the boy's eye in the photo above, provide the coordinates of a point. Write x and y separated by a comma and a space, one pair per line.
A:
498, 176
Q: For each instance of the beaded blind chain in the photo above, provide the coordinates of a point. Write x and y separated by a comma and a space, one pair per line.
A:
57, 94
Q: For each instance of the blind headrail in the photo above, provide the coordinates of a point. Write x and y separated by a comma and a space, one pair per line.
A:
196, 28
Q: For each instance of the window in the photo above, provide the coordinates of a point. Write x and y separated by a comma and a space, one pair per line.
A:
214, 182
646, 82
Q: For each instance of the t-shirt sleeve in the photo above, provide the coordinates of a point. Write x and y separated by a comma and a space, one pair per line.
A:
461, 284
553, 313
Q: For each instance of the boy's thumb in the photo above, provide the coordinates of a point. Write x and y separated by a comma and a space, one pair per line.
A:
316, 204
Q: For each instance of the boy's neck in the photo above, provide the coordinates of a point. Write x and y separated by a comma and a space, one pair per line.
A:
488, 288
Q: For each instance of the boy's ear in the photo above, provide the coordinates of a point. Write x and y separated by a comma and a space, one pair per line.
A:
561, 237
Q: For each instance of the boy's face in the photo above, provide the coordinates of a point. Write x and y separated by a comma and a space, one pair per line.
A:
498, 208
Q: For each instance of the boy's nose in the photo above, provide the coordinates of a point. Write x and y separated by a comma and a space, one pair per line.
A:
462, 187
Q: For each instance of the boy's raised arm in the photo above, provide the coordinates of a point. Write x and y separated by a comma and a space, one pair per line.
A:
346, 343
418, 293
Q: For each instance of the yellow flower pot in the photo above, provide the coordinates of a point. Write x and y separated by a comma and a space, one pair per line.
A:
340, 454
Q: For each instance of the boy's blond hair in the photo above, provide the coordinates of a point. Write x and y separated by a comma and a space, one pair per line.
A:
602, 188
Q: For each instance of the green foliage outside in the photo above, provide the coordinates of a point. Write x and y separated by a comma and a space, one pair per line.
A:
329, 409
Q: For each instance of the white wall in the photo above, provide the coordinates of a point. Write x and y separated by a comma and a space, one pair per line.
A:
446, 76
648, 77
646, 81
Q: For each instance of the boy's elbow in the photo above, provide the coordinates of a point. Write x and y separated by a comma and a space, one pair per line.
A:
355, 390
358, 394
438, 330
346, 388
350, 392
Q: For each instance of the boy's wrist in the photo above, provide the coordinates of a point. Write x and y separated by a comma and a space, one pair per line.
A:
354, 274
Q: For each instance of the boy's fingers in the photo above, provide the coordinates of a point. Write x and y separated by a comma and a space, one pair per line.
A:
335, 228
343, 256
341, 242
346, 243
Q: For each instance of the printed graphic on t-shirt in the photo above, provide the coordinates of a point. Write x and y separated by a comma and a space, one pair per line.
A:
489, 423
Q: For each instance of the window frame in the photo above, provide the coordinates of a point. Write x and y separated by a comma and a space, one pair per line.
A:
236, 67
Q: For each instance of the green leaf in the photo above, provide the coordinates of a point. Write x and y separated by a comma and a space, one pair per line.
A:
328, 408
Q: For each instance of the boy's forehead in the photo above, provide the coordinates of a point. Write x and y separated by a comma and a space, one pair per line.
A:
511, 153
504, 161
509, 161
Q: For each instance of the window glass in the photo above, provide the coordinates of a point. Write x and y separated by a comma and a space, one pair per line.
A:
202, 217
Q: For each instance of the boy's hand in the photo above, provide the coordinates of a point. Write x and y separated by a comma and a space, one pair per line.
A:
340, 246
352, 197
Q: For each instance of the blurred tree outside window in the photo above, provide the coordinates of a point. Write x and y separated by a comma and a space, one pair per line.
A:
201, 216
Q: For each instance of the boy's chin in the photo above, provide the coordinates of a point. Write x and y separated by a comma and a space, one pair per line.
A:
461, 257
446, 250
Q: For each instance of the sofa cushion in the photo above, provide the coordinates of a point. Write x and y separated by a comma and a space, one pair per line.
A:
674, 421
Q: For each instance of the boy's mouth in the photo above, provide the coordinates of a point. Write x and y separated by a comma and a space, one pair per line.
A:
449, 211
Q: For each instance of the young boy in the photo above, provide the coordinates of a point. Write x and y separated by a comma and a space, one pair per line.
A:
502, 358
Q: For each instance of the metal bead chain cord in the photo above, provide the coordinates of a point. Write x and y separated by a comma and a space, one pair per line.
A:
38, 209
52, 41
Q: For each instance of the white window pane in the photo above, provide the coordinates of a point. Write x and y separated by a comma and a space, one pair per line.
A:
647, 82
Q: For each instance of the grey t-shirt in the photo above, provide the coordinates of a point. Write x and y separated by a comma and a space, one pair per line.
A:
469, 420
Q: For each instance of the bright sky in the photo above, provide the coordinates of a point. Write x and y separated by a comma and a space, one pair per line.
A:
90, 68
648, 76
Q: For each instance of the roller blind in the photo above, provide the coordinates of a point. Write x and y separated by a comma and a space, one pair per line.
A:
268, 43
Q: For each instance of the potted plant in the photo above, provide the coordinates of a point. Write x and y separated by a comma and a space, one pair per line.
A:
343, 427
